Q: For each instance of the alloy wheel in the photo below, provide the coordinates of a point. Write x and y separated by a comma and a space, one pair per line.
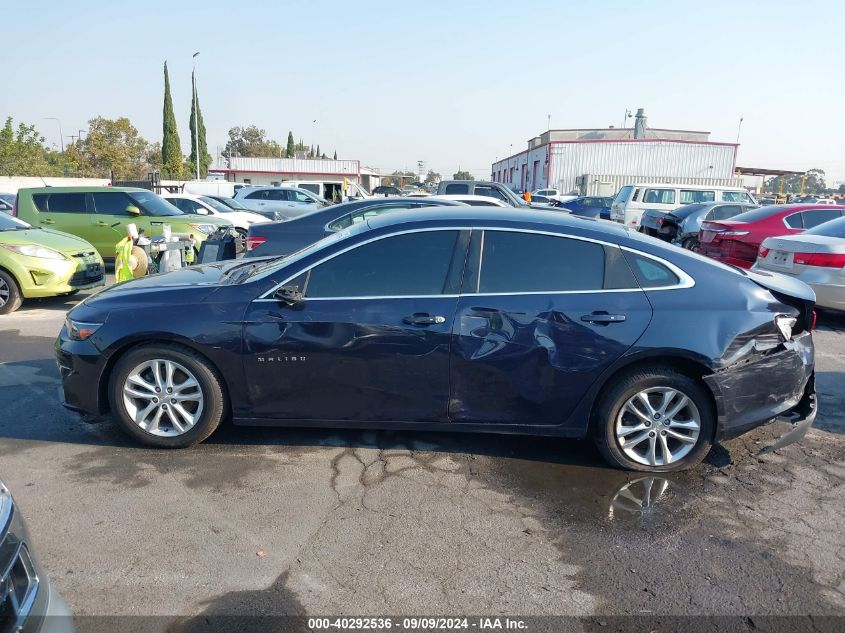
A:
5, 292
658, 426
163, 397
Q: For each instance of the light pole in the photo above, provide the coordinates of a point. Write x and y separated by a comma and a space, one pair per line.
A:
61, 137
739, 129
196, 118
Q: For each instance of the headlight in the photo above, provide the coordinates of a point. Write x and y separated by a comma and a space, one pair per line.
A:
33, 250
79, 331
785, 325
207, 229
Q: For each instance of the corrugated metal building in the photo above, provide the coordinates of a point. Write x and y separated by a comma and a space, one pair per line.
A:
570, 159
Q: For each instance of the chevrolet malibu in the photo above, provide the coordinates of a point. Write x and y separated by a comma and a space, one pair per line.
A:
480, 320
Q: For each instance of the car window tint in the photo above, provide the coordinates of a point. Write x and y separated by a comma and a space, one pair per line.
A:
794, 221
651, 273
814, 217
60, 202
364, 214
622, 194
834, 228
414, 264
299, 196
659, 196
735, 196
112, 203
529, 262
456, 189
257, 195
490, 192
688, 196
724, 212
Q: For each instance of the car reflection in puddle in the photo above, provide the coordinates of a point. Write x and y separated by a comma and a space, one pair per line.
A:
641, 497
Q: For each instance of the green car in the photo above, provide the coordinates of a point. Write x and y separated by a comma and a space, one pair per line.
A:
100, 214
43, 263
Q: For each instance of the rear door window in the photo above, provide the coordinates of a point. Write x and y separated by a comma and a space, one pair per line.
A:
659, 196
489, 192
651, 273
794, 221
258, 195
813, 217
60, 202
513, 262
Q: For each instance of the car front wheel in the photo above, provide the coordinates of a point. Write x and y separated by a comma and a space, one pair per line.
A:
10, 293
654, 420
166, 396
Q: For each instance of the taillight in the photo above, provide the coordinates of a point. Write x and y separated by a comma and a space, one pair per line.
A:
823, 260
254, 242
733, 233
763, 251
813, 322
660, 221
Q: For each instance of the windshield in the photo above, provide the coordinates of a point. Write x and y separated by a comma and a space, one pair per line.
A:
152, 204
832, 228
9, 223
232, 203
216, 204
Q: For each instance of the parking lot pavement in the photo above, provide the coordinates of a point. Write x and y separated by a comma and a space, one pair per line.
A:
346, 522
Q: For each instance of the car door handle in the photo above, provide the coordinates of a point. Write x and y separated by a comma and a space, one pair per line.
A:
603, 318
423, 319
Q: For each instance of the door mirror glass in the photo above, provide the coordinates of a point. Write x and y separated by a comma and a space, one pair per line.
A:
201, 210
133, 210
291, 296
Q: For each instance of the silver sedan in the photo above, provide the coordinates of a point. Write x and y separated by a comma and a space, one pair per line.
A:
816, 257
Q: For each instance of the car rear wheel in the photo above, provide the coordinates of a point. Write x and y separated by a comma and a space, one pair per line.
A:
690, 243
166, 396
10, 293
654, 420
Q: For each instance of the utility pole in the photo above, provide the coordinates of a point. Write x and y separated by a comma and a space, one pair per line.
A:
196, 118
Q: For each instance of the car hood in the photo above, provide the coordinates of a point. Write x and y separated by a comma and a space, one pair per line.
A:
192, 218
58, 241
782, 284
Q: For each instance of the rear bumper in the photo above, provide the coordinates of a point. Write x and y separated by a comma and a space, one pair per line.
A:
718, 255
755, 392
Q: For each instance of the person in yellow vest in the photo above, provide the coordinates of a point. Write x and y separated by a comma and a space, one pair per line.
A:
130, 261
527, 196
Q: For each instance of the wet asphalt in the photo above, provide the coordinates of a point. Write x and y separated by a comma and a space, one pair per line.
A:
316, 522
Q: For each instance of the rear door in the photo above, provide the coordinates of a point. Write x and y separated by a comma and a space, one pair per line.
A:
540, 317
66, 212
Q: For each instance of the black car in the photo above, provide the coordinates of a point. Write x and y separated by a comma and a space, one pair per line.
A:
283, 238
386, 190
455, 319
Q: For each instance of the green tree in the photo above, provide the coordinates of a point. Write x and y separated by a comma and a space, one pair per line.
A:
432, 177
112, 147
171, 151
290, 150
813, 183
22, 152
198, 137
251, 141
462, 175
398, 178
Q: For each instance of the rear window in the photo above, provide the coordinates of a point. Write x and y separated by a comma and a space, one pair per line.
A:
687, 210
817, 217
622, 195
759, 214
834, 228
456, 189
59, 202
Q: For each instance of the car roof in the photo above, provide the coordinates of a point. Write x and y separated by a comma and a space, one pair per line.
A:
92, 189
498, 216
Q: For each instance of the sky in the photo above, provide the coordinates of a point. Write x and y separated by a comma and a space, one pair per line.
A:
454, 84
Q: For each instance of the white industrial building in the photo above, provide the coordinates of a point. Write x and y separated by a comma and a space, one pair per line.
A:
600, 161
275, 171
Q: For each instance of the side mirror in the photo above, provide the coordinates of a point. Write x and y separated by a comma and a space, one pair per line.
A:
133, 210
201, 211
290, 296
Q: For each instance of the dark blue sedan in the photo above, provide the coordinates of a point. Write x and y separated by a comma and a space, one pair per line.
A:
589, 206
455, 319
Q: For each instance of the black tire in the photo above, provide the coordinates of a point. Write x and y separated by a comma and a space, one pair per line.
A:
627, 385
690, 243
10, 287
210, 385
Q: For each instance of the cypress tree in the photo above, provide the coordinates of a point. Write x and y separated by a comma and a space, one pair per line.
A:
291, 147
335, 154
171, 152
198, 127
318, 150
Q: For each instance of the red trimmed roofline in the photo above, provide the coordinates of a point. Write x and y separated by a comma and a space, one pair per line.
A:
345, 174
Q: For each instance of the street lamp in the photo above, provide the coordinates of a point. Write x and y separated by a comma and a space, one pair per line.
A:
196, 118
61, 137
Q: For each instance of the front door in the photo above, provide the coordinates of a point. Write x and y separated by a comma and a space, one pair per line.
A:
109, 220
370, 342
540, 317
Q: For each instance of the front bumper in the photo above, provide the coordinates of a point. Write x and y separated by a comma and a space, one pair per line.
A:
48, 278
755, 391
80, 365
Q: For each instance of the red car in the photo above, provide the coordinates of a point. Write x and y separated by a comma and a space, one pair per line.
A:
736, 241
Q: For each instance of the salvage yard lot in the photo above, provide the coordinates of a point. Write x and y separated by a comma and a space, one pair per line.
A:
344, 522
